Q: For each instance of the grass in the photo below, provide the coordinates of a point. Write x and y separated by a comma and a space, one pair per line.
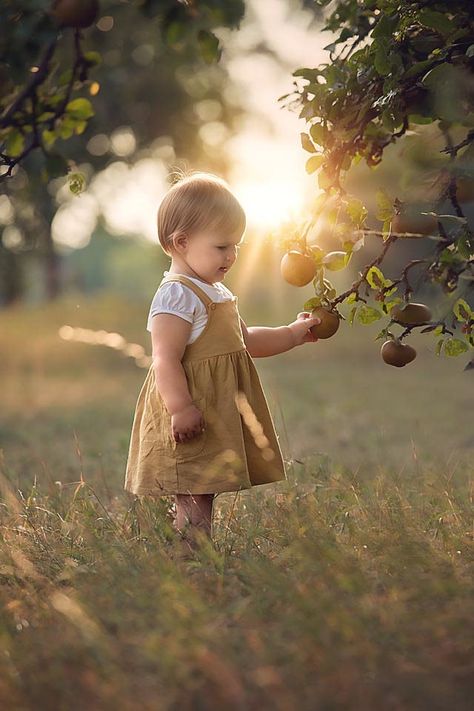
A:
350, 586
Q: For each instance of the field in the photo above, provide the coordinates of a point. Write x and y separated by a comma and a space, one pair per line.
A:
350, 586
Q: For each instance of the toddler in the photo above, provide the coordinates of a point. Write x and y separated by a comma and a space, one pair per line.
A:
202, 424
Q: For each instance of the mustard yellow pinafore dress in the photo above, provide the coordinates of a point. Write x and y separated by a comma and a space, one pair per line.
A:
238, 448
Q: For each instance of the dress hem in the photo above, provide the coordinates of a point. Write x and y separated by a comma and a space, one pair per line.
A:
162, 492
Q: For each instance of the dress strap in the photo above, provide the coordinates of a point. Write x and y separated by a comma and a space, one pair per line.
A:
188, 282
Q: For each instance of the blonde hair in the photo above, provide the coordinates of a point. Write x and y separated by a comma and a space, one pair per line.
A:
199, 201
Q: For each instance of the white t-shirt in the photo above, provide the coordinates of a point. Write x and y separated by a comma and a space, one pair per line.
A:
173, 297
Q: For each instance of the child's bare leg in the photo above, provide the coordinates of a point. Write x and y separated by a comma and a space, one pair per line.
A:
194, 510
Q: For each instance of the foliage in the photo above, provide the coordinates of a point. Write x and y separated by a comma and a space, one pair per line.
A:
393, 65
42, 100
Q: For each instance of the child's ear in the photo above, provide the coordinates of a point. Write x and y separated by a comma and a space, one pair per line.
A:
180, 241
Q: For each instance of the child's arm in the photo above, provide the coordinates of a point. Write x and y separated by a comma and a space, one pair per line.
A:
169, 334
264, 341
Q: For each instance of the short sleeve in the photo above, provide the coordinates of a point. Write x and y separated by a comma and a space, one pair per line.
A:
173, 298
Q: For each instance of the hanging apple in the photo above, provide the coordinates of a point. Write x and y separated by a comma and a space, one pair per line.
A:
330, 321
396, 353
411, 313
297, 268
75, 13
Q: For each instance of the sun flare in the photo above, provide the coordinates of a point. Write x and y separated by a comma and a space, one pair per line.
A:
269, 203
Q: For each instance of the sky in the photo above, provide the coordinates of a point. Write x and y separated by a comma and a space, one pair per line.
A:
267, 161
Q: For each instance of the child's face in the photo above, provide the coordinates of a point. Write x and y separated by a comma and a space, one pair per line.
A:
210, 256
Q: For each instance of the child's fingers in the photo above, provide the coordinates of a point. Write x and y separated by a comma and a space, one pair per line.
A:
186, 436
306, 315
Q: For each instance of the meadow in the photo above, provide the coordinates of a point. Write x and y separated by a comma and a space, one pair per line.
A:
349, 586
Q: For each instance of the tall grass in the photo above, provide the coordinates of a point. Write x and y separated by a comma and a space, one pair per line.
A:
349, 586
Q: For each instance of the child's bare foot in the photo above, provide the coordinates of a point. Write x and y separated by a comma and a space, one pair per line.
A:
190, 539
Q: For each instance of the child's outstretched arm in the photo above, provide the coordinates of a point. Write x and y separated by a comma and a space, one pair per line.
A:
169, 334
264, 341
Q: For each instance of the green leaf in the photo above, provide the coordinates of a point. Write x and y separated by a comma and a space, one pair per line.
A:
306, 143
174, 33
92, 58
375, 277
45, 116
419, 68
385, 26
367, 314
441, 73
80, 127
66, 128
448, 256
390, 304
80, 109
455, 346
352, 313
313, 163
308, 110
385, 207
352, 297
462, 310
337, 260
436, 20
309, 74
439, 345
49, 137
318, 133
311, 303
356, 211
386, 229
15, 143
382, 61
418, 118
314, 88
208, 45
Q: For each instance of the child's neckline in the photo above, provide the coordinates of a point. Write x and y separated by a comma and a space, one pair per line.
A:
200, 281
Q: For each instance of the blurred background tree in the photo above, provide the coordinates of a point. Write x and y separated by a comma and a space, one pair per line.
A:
75, 96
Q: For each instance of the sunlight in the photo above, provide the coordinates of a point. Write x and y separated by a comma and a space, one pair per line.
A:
126, 196
269, 202
252, 262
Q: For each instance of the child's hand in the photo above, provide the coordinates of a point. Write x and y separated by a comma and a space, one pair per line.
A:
187, 423
301, 327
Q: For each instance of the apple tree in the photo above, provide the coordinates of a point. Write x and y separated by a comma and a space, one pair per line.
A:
394, 65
